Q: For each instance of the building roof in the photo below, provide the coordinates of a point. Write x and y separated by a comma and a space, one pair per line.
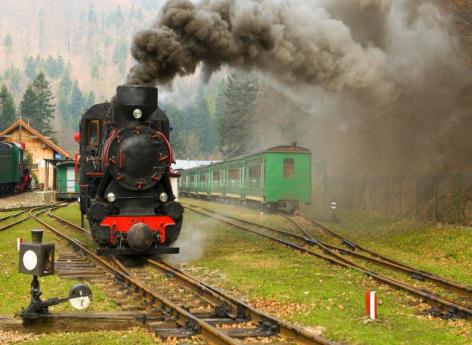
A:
281, 148
184, 164
45, 140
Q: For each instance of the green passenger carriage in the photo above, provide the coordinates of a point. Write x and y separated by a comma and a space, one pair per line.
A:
14, 171
279, 177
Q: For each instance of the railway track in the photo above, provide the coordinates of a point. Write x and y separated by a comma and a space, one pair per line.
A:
14, 215
184, 307
28, 210
308, 227
442, 305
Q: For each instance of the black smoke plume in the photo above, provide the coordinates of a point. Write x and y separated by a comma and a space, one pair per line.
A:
385, 81
294, 43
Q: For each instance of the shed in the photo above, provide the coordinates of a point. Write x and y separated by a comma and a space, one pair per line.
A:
66, 180
41, 148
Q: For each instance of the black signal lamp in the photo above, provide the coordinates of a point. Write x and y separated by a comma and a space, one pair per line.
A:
36, 258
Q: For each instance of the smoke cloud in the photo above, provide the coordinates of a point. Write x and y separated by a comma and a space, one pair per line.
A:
282, 39
191, 242
384, 82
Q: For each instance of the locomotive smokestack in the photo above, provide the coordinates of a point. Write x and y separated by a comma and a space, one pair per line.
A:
134, 102
134, 95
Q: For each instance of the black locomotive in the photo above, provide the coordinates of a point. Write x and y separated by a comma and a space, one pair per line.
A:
125, 189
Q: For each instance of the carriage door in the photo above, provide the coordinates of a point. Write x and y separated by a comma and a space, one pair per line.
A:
70, 180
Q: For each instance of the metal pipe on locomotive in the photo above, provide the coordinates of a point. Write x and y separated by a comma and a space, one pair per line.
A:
125, 171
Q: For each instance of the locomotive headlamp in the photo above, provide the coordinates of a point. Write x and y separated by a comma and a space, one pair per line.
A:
111, 197
137, 113
163, 197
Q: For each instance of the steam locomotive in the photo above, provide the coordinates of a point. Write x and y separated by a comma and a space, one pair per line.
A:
125, 188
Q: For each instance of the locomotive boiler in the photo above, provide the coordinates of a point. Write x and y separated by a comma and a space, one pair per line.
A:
125, 171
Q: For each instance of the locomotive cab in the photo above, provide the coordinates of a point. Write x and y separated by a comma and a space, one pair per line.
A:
125, 175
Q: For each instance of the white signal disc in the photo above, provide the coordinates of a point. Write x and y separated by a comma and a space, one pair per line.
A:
30, 260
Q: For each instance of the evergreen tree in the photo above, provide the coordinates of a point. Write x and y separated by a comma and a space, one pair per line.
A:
28, 106
90, 100
177, 135
203, 125
30, 67
8, 109
14, 75
120, 55
241, 93
37, 104
76, 106
54, 67
63, 95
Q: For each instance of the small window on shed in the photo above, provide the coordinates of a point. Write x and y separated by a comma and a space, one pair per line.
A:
93, 133
289, 167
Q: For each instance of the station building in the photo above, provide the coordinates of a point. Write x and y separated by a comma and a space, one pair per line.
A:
42, 149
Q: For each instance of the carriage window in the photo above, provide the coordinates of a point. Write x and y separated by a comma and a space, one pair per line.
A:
289, 167
233, 175
255, 171
216, 177
93, 133
203, 179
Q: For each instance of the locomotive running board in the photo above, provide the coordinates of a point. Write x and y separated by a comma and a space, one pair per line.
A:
128, 251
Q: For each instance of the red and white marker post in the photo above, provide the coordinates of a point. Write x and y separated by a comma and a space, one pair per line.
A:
19, 242
371, 304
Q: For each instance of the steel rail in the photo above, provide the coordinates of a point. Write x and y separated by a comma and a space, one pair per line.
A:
13, 215
19, 221
239, 307
216, 297
335, 258
213, 334
64, 221
378, 259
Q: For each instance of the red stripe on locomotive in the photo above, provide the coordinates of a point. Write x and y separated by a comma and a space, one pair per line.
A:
124, 223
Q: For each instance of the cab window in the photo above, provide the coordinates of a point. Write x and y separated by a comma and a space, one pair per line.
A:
93, 133
289, 167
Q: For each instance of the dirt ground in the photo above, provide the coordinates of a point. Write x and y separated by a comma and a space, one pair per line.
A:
21, 200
